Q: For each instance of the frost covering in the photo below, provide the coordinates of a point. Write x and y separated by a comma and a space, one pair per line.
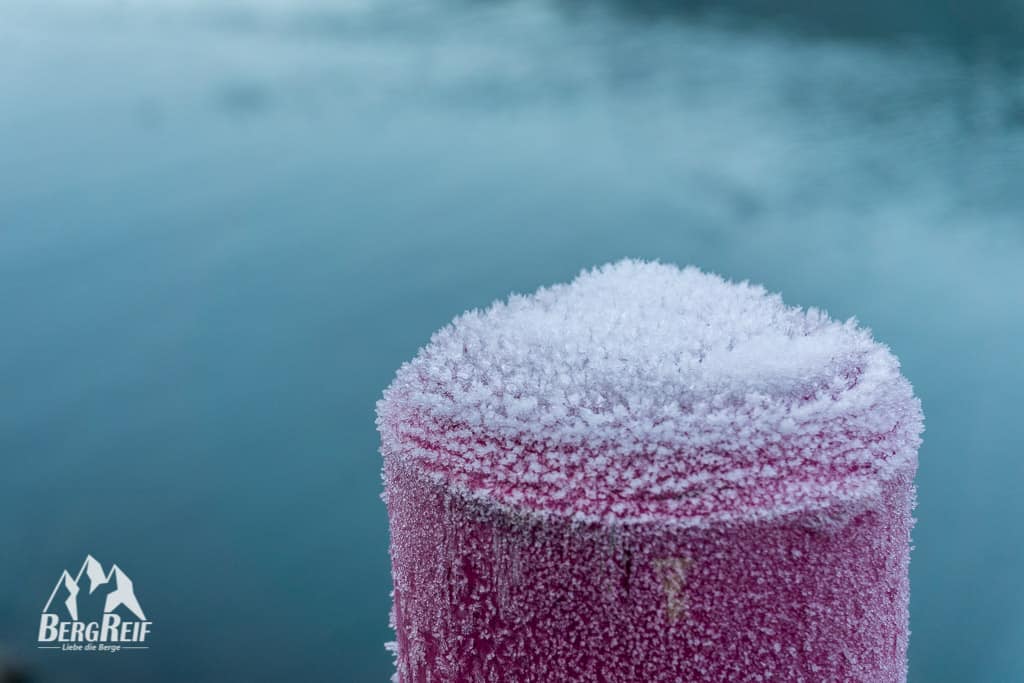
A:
649, 475
643, 392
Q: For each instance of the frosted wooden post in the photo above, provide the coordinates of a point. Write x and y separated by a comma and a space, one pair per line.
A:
650, 474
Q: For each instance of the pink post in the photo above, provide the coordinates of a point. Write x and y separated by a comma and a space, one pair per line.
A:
650, 475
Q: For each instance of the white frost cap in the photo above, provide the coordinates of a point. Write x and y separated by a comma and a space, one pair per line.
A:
654, 388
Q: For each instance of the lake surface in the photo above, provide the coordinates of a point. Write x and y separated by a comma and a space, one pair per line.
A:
222, 228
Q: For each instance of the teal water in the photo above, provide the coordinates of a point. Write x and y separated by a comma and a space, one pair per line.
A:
222, 230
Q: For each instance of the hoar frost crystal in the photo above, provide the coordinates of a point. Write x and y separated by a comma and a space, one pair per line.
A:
650, 474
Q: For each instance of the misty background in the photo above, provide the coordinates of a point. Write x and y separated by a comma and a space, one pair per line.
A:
224, 225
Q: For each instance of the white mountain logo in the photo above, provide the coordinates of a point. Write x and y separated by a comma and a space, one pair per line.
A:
123, 593
110, 628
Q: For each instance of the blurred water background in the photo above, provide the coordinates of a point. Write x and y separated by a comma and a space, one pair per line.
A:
224, 225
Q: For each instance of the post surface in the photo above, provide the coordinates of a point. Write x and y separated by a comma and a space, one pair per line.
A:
760, 535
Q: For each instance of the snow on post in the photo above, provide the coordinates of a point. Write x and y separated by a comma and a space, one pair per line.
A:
650, 474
